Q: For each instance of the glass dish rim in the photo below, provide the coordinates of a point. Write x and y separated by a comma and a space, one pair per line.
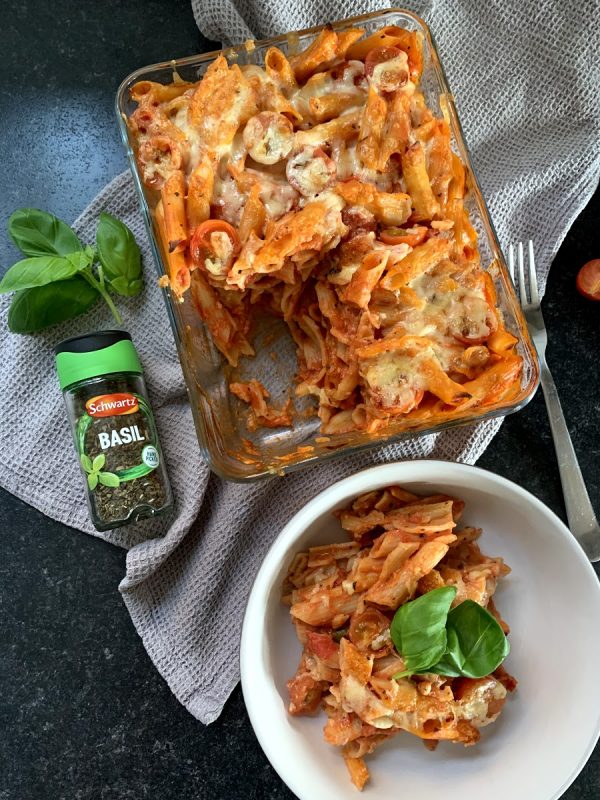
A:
530, 355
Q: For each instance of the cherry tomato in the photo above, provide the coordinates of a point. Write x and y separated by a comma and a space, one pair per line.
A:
366, 627
410, 236
214, 246
268, 137
588, 280
391, 77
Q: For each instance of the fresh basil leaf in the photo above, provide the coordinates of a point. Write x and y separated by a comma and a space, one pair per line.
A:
476, 642
418, 629
109, 479
81, 259
451, 662
92, 480
98, 462
37, 233
86, 462
32, 310
125, 287
39, 271
119, 255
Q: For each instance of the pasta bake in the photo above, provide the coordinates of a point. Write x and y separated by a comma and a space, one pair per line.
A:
344, 599
320, 188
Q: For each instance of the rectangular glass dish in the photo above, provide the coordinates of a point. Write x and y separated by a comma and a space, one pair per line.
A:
231, 450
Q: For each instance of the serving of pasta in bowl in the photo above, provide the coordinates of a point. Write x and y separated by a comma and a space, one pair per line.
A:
331, 272
408, 634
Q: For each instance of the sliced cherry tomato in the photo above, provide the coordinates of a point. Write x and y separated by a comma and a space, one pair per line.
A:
366, 627
268, 137
214, 246
409, 236
588, 280
392, 77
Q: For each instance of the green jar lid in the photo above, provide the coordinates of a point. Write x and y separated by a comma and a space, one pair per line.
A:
95, 354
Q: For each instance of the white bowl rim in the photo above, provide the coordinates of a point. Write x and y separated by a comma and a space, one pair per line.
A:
365, 480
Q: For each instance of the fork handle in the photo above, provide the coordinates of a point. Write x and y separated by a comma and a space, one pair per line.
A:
580, 513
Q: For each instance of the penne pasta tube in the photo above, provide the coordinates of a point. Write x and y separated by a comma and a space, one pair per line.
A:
151, 92
365, 279
173, 201
501, 341
279, 69
200, 189
371, 129
390, 208
253, 215
329, 106
422, 258
343, 127
317, 55
414, 171
179, 273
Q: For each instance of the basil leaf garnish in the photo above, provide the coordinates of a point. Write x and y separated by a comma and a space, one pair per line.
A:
476, 642
466, 641
418, 629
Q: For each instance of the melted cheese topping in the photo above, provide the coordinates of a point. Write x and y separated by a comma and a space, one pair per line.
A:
295, 152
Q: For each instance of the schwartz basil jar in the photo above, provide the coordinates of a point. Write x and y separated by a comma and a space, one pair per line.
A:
114, 431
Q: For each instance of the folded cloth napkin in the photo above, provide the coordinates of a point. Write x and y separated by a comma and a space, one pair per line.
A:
525, 77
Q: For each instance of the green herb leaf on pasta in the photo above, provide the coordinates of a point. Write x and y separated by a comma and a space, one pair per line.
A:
476, 642
418, 629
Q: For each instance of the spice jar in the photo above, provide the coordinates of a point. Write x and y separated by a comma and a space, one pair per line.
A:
113, 427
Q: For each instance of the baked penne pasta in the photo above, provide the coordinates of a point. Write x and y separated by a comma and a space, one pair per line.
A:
320, 188
342, 600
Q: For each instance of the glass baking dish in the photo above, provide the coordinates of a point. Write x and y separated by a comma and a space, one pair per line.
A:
231, 450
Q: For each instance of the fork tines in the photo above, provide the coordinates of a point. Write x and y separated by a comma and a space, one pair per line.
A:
533, 287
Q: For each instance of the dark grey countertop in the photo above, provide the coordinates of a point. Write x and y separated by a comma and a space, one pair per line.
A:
84, 714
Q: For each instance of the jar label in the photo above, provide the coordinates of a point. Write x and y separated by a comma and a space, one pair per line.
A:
118, 451
109, 405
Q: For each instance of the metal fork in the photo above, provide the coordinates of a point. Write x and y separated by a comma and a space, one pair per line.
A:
582, 520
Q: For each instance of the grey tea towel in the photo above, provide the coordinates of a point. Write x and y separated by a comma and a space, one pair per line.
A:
525, 76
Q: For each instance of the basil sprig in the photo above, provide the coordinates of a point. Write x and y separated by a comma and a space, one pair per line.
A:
466, 641
61, 279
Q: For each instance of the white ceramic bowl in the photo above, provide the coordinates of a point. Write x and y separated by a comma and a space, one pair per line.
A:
551, 600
